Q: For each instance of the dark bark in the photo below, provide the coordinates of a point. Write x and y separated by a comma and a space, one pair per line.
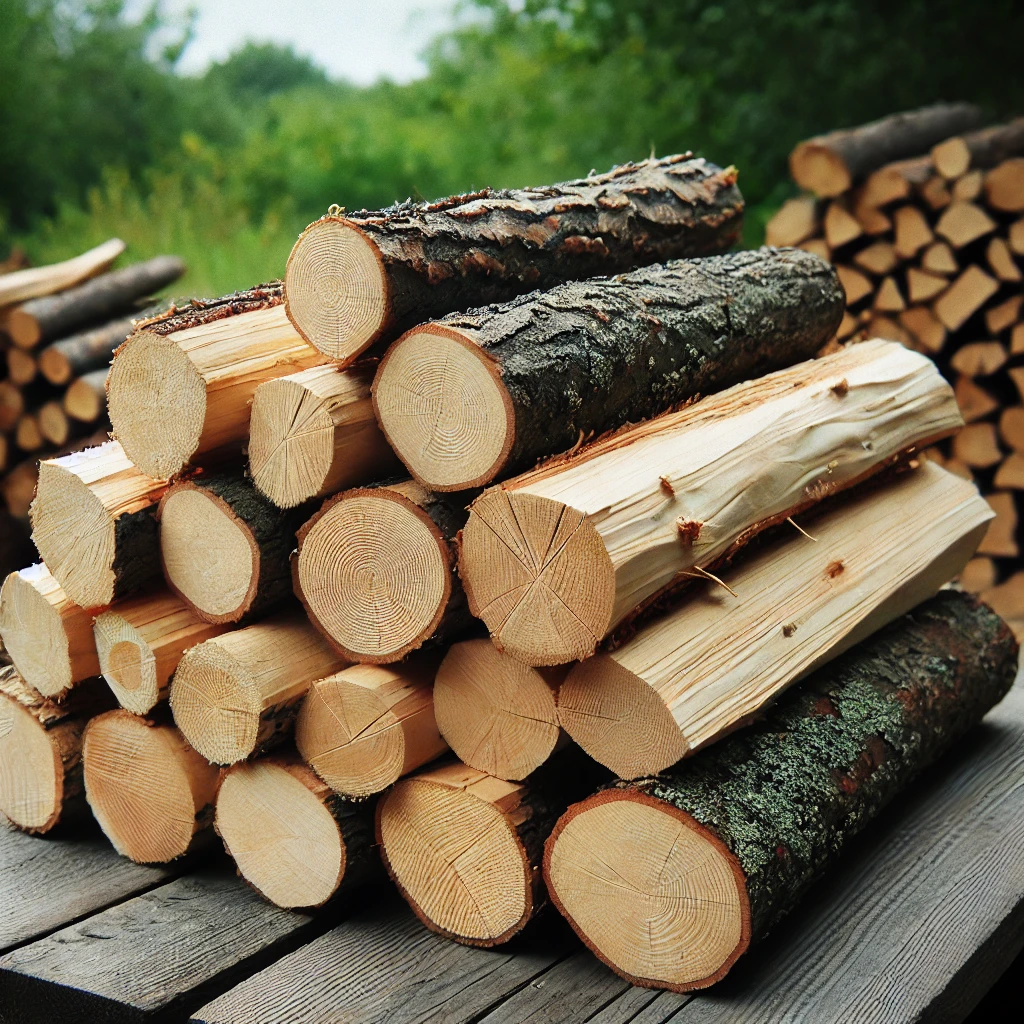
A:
88, 350
136, 551
992, 146
207, 311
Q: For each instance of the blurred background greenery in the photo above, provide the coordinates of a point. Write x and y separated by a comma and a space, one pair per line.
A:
101, 136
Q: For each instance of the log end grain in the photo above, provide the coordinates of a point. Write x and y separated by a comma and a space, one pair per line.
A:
819, 170
127, 663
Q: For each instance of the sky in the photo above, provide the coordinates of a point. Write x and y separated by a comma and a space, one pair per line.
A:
359, 40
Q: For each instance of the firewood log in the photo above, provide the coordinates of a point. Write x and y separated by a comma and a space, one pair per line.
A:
978, 574
979, 358
27, 435
21, 285
913, 232
968, 187
86, 398
964, 297
12, 405
840, 226
963, 223
982, 149
1004, 186
794, 222
1001, 261
82, 353
938, 258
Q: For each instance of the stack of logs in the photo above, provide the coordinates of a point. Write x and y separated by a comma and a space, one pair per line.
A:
334, 666
922, 214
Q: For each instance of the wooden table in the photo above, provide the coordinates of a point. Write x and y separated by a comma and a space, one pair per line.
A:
922, 916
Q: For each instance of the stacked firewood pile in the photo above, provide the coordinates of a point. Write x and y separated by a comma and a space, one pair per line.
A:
923, 216
630, 510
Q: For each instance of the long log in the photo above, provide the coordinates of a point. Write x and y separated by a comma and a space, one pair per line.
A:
224, 547
21, 285
981, 149
84, 352
828, 165
484, 394
555, 559
237, 695
353, 278
150, 791
313, 434
181, 385
680, 683
714, 852
375, 570
110, 295
93, 521
295, 841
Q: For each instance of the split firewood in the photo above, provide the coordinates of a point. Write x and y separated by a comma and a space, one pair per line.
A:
963, 223
984, 148
181, 385
872, 220
998, 318
1011, 427
484, 394
888, 329
375, 570
855, 284
237, 694
938, 258
1001, 262
923, 286
830, 164
817, 247
497, 714
86, 398
554, 559
83, 353
21, 285
27, 435
879, 258
1015, 236
976, 446
54, 424
93, 522
48, 637
365, 727
974, 401
840, 226
979, 574
794, 222
964, 297
927, 331
1001, 538
936, 193
912, 231
295, 841
1010, 474
969, 187
353, 278
151, 793
979, 358
140, 642
1004, 186
888, 297
224, 547
313, 433
710, 855
677, 685
895, 181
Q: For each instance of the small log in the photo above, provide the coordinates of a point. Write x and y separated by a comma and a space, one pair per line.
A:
922, 286
86, 398
21, 285
974, 401
878, 258
964, 297
480, 395
1010, 474
93, 522
554, 559
709, 856
140, 642
27, 435
375, 570
938, 258
978, 574
677, 686
150, 791
1004, 186
979, 358
48, 637
871, 219
841, 227
416, 261
855, 284
888, 298
497, 714
182, 384
913, 232
22, 367
988, 146
365, 727
1001, 262
19, 486
951, 157
237, 694
963, 223
927, 331
976, 446
893, 182
1007, 599
313, 434
1001, 538
295, 841
224, 548
54, 424
794, 222
968, 188
998, 318
82, 353
1017, 340
12, 405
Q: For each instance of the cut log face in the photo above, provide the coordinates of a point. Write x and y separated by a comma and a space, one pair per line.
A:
912, 231
352, 279
238, 694
677, 685
963, 223
86, 398
979, 358
365, 727
149, 790
964, 297
497, 714
93, 523
313, 433
1004, 185
795, 222
554, 559
929, 334
83, 352
48, 637
938, 258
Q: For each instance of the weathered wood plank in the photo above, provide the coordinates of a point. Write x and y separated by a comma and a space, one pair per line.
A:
642, 1006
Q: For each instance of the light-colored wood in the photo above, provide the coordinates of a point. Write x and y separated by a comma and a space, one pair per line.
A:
81, 500
841, 227
555, 558
969, 187
177, 396
21, 367
794, 222
964, 297
140, 642
929, 334
1004, 185
1017, 340
12, 405
53, 423
847, 326
365, 727
48, 637
998, 318
935, 192
1011, 427
237, 694
979, 358
978, 574
1007, 599
974, 401
923, 286
873, 220
912, 231
1010, 474
27, 436
951, 158
1016, 374
895, 181
313, 433
818, 246
885, 327
1001, 538
21, 285
938, 258
976, 446
1001, 262
855, 284
1015, 236
963, 223
18, 487
150, 791
888, 298
878, 258
960, 469
86, 397
701, 670
497, 714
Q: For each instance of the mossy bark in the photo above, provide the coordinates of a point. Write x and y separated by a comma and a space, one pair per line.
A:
136, 551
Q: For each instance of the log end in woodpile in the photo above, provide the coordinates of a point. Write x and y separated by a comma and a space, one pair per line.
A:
86, 398
149, 790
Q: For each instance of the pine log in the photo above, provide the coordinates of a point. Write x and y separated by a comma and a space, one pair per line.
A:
54, 424
82, 353
140, 642
313, 433
979, 574
913, 232
938, 258
375, 570
150, 791
237, 695
929, 334
21, 285
714, 662
554, 559
998, 318
1001, 538
855, 284
12, 405
840, 226
794, 222
964, 297
974, 401
465, 848
976, 446
497, 714
979, 358
713, 853
830, 164
182, 384
224, 547
963, 223
878, 258
480, 395
1001, 262
365, 727
109, 295
27, 435
295, 841
93, 522
48, 637
969, 187
352, 279
86, 398
1004, 186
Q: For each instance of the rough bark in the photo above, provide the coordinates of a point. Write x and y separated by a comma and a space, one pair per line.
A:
30, 282
198, 312
136, 551
80, 353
